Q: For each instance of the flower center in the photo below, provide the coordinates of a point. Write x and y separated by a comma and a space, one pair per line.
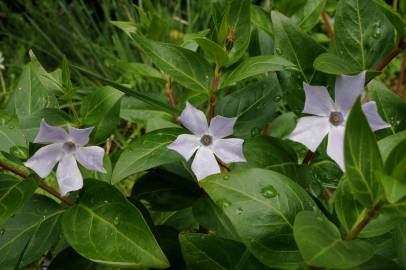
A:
206, 140
69, 147
336, 118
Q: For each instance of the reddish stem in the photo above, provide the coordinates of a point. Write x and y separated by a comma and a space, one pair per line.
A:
330, 31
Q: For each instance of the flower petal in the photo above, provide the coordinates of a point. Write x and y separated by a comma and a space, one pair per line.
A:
374, 119
205, 163
221, 126
43, 161
68, 175
335, 146
48, 133
186, 145
91, 158
318, 100
347, 89
229, 150
194, 120
310, 131
80, 136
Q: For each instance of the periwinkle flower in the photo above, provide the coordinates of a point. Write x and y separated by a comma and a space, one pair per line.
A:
207, 141
330, 117
65, 149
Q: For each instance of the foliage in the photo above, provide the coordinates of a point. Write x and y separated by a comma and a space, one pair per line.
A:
128, 69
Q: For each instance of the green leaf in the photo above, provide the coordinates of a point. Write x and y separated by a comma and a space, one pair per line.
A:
295, 45
366, 38
101, 109
128, 27
393, 17
331, 63
387, 144
400, 242
239, 23
184, 66
308, 15
362, 158
215, 53
268, 199
261, 19
105, 228
202, 252
165, 191
325, 248
283, 125
32, 231
254, 66
146, 152
347, 208
10, 136
212, 217
68, 259
141, 69
14, 193
390, 106
30, 96
254, 104
145, 98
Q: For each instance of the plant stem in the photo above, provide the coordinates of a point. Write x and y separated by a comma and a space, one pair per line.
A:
3, 84
395, 5
401, 79
330, 31
308, 157
214, 86
42, 185
169, 93
369, 215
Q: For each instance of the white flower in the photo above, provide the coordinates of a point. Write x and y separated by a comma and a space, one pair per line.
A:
1, 61
65, 149
207, 141
330, 117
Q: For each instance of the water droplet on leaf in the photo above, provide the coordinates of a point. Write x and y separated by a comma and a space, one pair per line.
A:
277, 98
226, 177
239, 211
269, 192
223, 203
255, 131
116, 220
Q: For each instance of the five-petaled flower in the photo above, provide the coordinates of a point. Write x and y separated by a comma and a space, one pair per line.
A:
330, 117
65, 149
207, 142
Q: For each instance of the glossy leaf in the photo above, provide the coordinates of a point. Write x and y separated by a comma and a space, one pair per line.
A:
333, 64
366, 39
32, 231
325, 248
254, 66
253, 104
105, 228
400, 242
362, 158
14, 193
215, 53
261, 205
212, 217
203, 252
184, 66
308, 15
261, 19
147, 152
295, 45
101, 110
389, 143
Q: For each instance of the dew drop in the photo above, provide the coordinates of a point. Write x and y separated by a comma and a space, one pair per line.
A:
278, 51
277, 98
2, 231
116, 220
226, 177
255, 131
106, 201
239, 211
269, 192
223, 203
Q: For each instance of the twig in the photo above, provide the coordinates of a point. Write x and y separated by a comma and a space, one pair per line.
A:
401, 79
364, 222
330, 31
214, 85
169, 93
381, 66
42, 185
